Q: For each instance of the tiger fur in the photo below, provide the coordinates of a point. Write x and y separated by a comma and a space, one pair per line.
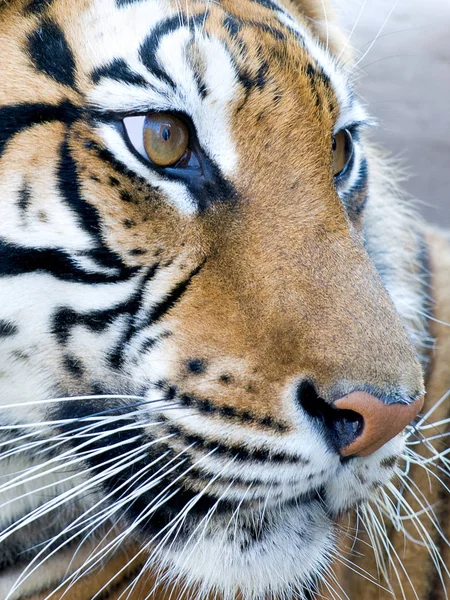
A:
171, 338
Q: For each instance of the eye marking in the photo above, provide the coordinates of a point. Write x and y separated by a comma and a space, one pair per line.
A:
162, 139
341, 152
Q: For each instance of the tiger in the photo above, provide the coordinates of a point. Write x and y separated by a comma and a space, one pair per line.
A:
224, 362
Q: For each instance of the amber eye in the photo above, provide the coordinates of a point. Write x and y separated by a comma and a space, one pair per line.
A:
162, 138
342, 151
166, 139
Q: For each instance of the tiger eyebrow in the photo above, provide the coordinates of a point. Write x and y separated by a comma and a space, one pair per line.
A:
120, 71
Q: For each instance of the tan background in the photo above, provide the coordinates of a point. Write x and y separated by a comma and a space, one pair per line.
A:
405, 80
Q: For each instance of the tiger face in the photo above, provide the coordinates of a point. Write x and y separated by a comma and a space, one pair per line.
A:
200, 259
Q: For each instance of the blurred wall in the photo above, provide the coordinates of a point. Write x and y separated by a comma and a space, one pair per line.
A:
405, 80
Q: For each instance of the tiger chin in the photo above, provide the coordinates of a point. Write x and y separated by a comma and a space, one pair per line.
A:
214, 300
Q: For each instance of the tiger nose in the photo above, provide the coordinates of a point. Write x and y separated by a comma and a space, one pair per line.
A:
379, 422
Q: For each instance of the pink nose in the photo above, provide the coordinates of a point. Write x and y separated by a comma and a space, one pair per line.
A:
380, 421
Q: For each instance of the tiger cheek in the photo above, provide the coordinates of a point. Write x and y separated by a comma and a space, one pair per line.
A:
136, 220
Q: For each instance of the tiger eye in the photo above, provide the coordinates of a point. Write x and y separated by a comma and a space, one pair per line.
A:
166, 139
342, 151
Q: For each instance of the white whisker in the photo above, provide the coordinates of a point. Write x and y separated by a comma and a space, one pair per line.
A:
374, 41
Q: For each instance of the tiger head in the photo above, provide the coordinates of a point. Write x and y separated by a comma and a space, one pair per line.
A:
210, 292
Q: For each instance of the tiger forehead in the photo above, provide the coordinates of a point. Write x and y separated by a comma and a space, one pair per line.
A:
259, 37
262, 45
257, 34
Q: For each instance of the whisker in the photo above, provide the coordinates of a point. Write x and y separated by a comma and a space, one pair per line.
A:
374, 41
154, 505
355, 25
169, 526
139, 455
326, 25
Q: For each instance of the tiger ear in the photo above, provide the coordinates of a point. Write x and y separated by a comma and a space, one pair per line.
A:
322, 18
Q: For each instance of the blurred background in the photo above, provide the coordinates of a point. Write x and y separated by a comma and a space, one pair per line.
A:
404, 77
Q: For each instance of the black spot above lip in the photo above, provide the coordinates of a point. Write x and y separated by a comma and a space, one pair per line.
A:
196, 366
138, 252
73, 365
129, 223
389, 462
126, 196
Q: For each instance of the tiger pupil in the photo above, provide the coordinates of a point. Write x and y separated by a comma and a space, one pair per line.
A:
166, 134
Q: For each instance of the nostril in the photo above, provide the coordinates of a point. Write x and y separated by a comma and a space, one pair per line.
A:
340, 427
347, 426
309, 399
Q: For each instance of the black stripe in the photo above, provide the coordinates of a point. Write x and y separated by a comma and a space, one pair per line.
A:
232, 413
18, 260
115, 443
24, 199
174, 505
65, 319
310, 72
109, 259
117, 356
114, 450
233, 25
69, 188
37, 7
73, 365
7, 329
149, 47
236, 452
88, 217
120, 3
50, 53
14, 119
277, 34
202, 87
268, 4
317, 76
119, 71
163, 307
